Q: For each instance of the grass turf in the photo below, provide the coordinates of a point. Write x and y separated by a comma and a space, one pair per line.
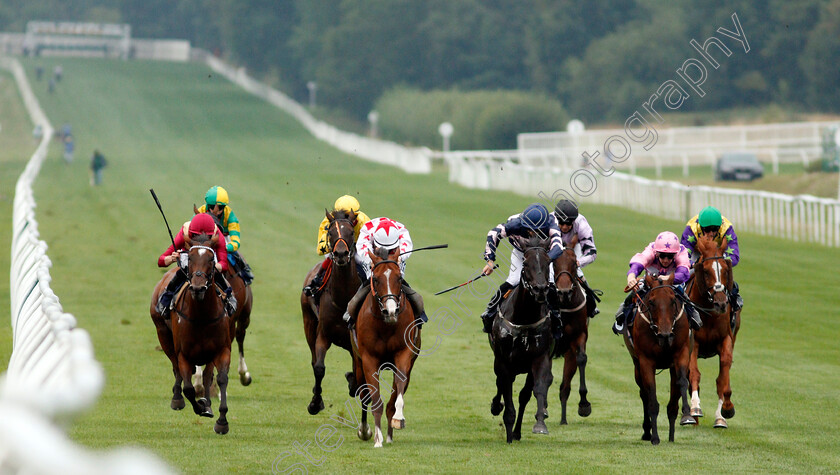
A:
179, 129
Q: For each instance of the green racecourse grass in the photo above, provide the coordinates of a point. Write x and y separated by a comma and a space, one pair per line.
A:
180, 129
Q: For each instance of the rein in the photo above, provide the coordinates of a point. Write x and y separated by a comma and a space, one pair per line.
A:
575, 283
527, 285
710, 292
352, 249
654, 328
382, 299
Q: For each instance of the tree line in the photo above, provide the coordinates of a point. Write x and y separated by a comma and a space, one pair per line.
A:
600, 58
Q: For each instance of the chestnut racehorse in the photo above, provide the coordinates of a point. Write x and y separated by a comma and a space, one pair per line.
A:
659, 339
522, 341
709, 289
386, 336
573, 309
322, 321
198, 331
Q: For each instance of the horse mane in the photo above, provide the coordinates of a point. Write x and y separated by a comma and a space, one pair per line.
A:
383, 253
201, 240
707, 245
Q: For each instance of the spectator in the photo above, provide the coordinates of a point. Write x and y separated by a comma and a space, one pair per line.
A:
39, 72
97, 163
58, 72
51, 86
69, 148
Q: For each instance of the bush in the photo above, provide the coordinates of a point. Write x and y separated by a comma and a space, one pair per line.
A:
481, 119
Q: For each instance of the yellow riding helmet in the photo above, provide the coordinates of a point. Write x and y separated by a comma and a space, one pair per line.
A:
216, 195
347, 203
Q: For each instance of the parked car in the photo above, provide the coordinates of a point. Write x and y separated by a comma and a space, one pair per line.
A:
738, 166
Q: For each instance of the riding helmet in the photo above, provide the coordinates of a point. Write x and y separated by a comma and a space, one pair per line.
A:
566, 211
709, 216
534, 217
667, 242
202, 223
216, 195
347, 203
386, 234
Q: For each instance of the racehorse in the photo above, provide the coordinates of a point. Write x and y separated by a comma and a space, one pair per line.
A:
198, 332
573, 309
522, 341
386, 336
709, 289
659, 339
322, 321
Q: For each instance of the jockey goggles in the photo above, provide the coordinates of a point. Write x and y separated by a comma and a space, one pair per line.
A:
710, 229
667, 255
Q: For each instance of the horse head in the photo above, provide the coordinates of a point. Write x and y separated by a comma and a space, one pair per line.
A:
201, 263
714, 272
535, 267
340, 236
660, 308
565, 274
386, 283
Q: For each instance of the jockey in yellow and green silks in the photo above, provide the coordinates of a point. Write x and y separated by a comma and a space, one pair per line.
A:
216, 203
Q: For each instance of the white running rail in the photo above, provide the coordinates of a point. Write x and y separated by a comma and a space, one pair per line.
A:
52, 373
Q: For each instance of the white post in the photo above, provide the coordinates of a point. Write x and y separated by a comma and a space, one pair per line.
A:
445, 130
373, 118
313, 87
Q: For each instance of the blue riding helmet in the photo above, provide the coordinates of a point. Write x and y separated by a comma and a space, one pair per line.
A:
535, 217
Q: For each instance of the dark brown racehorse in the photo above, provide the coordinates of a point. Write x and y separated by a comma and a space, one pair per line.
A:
198, 332
573, 310
385, 337
322, 321
522, 341
709, 289
659, 340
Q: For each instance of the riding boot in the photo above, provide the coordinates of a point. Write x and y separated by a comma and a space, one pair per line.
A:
592, 298
165, 301
622, 315
313, 289
354, 304
556, 323
493, 307
243, 269
694, 319
229, 299
416, 301
736, 303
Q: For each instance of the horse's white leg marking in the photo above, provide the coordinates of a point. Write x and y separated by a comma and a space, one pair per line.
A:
695, 399
243, 368
377, 438
718, 415
399, 404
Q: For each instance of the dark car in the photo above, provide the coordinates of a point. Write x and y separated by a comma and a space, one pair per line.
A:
738, 166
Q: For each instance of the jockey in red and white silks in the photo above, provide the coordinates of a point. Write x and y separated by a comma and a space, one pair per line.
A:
382, 232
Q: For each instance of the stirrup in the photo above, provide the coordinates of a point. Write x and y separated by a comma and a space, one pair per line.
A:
618, 328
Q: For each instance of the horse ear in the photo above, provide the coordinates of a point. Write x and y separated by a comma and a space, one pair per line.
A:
669, 279
195, 209
724, 244
214, 240
329, 215
373, 257
650, 279
188, 240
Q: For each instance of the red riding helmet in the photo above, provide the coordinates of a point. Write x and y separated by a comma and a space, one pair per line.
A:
202, 223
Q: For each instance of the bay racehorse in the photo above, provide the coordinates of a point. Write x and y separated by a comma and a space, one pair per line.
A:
659, 339
385, 336
709, 290
572, 304
322, 319
522, 341
198, 332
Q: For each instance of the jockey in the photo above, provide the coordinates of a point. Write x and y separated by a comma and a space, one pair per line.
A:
665, 256
535, 220
347, 204
575, 229
199, 224
216, 205
709, 222
392, 235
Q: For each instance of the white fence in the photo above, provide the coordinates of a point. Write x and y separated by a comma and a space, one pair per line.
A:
681, 146
411, 160
800, 218
52, 373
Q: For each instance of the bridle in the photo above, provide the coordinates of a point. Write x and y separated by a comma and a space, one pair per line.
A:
575, 284
654, 327
717, 287
351, 248
381, 300
200, 273
526, 284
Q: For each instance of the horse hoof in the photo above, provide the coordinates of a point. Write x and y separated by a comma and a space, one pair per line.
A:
646, 437
584, 410
315, 406
365, 434
398, 423
654, 441
221, 429
245, 378
687, 421
206, 411
728, 413
516, 436
496, 408
696, 412
540, 428
720, 423
177, 404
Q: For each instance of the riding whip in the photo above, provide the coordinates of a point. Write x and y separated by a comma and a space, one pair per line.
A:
436, 246
466, 283
152, 191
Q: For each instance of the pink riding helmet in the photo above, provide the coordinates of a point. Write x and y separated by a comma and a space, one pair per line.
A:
667, 242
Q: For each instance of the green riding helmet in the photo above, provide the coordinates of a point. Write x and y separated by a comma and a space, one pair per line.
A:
709, 216
216, 195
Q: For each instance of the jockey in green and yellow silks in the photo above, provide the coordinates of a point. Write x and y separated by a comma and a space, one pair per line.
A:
216, 204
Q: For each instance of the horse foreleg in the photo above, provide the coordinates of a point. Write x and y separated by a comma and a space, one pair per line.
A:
542, 380
186, 370
647, 371
504, 386
360, 391
222, 363
524, 397
569, 368
177, 402
726, 410
371, 366
242, 322
584, 408
682, 373
322, 344
403, 363
673, 403
694, 381
643, 396
198, 382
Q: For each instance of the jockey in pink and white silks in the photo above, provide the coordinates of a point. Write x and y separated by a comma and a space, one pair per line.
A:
383, 233
576, 233
663, 256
